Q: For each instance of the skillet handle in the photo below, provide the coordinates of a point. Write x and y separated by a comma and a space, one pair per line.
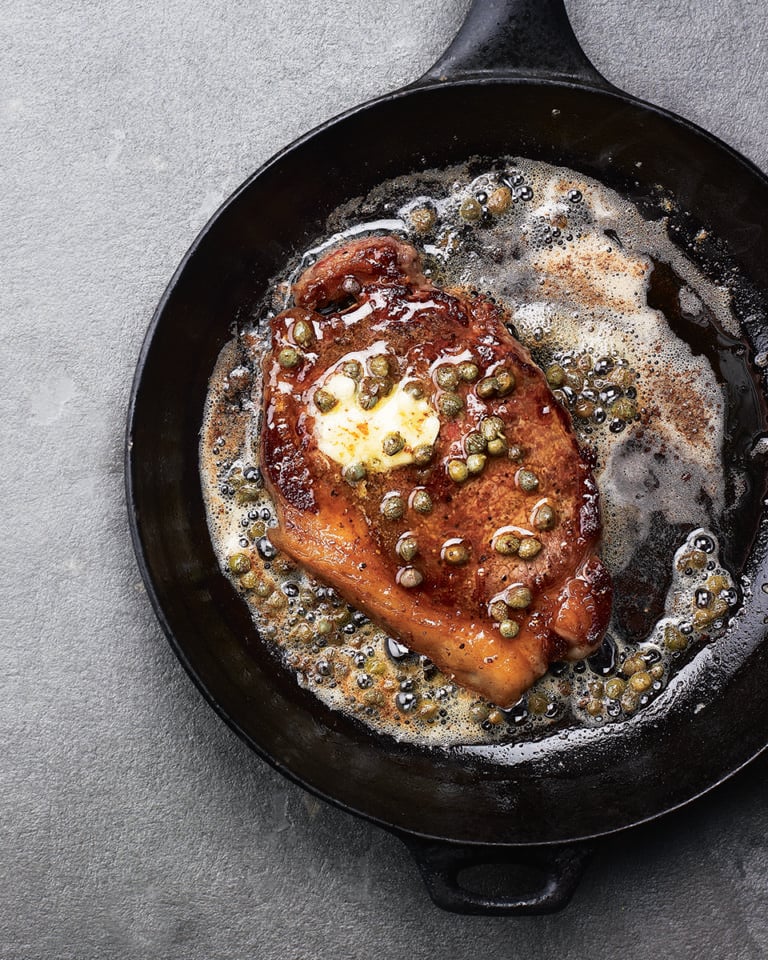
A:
526, 38
554, 870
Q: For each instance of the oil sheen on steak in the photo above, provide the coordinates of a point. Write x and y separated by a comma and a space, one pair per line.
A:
418, 461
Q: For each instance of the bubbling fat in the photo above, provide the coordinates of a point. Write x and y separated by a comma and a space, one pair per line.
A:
572, 261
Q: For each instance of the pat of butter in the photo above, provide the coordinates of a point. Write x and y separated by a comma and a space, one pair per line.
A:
348, 434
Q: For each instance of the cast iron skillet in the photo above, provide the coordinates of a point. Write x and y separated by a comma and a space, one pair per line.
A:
513, 82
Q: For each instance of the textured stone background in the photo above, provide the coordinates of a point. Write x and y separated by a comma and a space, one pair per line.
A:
134, 824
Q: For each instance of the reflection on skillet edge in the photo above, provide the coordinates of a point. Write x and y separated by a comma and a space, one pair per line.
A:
576, 267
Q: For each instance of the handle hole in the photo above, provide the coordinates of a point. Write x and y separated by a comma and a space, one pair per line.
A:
498, 880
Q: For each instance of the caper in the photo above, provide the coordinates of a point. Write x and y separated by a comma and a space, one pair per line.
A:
596, 688
468, 371
518, 598
422, 454
429, 710
248, 492
409, 577
379, 365
584, 408
496, 717
249, 580
673, 639
458, 471
414, 389
368, 396
555, 375
574, 380
717, 583
529, 548
288, 357
447, 376
515, 453
470, 209
499, 201
506, 382
476, 462
475, 443
393, 506
354, 473
407, 548
303, 333
527, 481
239, 563
657, 671
421, 502
304, 632
545, 518
509, 629
487, 388
614, 688
633, 665
423, 219
479, 711
456, 554
323, 627
264, 589
393, 443
325, 400
497, 447
629, 701
450, 404
594, 707
624, 378
640, 681
499, 611
506, 544
623, 408
537, 702
492, 427
384, 385
352, 369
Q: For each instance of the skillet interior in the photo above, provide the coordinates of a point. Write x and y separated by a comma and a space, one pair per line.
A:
558, 789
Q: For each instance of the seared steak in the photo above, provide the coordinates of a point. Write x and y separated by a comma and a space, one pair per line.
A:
421, 466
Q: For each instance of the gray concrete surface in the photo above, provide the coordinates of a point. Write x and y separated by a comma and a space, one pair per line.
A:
133, 823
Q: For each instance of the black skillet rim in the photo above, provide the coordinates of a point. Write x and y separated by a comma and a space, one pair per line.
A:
135, 519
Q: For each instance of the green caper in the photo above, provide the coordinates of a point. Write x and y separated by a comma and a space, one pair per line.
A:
629, 701
458, 471
515, 453
657, 671
325, 400
499, 201
545, 518
421, 502
492, 427
384, 385
249, 580
468, 371
633, 665
422, 454
456, 554
476, 462
470, 209
537, 702
498, 611
475, 443
527, 481
555, 375
479, 711
369, 393
352, 369
614, 688
518, 598
447, 376
303, 333
594, 707
429, 710
574, 380
496, 716
379, 365
529, 548
393, 506
487, 388
423, 219
257, 529
324, 627
409, 577
248, 492
239, 563
623, 408
354, 473
414, 389
288, 358
264, 589
450, 404
506, 382
509, 629
497, 447
584, 408
393, 443
407, 548
506, 544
